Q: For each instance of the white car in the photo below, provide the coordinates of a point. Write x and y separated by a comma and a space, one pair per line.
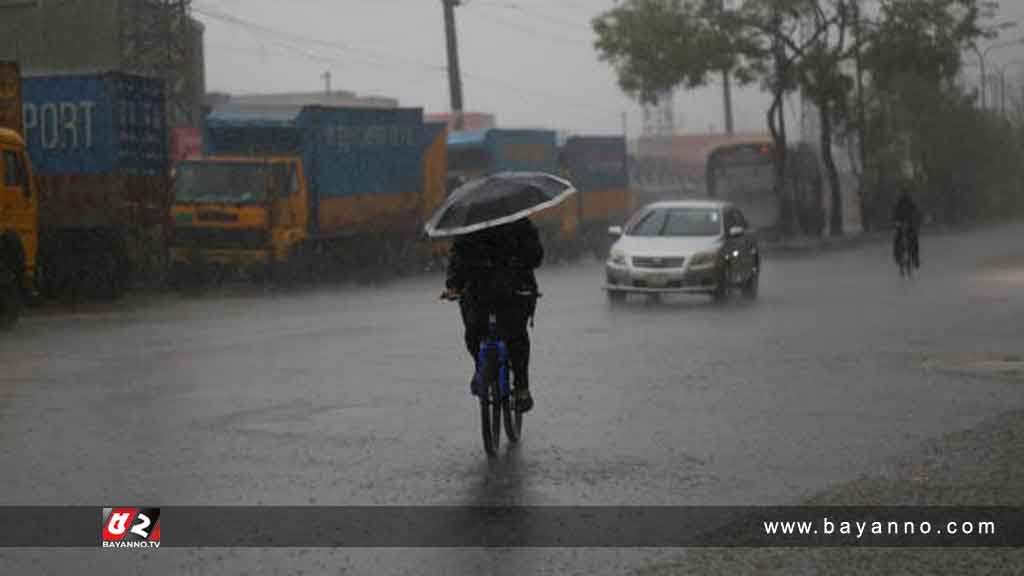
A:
695, 247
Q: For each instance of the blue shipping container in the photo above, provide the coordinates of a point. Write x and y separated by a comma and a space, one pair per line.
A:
501, 149
527, 150
346, 151
596, 162
79, 124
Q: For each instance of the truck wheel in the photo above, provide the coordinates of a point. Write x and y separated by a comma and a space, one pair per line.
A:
185, 278
113, 277
10, 297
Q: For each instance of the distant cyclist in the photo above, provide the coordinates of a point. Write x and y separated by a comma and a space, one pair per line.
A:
908, 218
493, 270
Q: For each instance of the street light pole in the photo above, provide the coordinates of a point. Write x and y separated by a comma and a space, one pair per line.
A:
454, 74
983, 55
984, 77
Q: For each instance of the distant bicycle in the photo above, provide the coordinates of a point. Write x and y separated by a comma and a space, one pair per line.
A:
493, 387
904, 253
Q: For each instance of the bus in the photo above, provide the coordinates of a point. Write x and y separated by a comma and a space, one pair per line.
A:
744, 174
737, 168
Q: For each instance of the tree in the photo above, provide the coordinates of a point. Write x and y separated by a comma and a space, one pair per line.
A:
655, 45
921, 127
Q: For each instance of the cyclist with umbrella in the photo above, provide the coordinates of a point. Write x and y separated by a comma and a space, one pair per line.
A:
493, 258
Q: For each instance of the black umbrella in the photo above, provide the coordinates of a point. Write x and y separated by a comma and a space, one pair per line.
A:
495, 200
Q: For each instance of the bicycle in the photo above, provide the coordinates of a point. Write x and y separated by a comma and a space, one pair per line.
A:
493, 387
904, 257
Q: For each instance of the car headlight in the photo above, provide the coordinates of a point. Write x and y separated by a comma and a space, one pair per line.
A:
703, 260
618, 258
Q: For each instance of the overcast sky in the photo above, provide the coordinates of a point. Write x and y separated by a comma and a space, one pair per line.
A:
530, 62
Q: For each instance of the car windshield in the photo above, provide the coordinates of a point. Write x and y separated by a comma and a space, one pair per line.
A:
220, 182
678, 222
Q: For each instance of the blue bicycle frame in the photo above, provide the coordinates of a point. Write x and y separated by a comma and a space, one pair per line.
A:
493, 344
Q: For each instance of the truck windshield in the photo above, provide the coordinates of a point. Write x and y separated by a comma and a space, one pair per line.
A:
221, 182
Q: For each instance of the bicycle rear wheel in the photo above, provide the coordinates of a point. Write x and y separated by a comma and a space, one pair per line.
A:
513, 420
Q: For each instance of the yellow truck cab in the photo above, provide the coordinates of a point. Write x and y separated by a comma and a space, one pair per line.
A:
19, 235
237, 212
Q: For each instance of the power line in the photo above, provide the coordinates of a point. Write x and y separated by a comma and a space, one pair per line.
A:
563, 40
254, 27
513, 6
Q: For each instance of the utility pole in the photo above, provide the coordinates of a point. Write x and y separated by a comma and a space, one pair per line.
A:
727, 96
454, 74
327, 81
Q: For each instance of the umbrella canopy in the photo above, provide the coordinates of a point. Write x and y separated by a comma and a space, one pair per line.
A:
495, 200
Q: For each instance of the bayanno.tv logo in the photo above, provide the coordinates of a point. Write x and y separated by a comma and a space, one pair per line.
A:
131, 528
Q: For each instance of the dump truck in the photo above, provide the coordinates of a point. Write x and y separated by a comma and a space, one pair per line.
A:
300, 191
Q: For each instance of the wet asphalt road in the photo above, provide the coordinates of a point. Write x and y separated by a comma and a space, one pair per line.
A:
340, 396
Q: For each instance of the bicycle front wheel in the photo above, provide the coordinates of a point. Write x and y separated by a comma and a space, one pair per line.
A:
490, 424
490, 407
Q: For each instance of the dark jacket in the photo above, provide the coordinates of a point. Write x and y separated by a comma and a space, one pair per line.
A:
906, 212
497, 261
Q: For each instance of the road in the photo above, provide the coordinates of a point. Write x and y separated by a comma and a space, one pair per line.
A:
359, 395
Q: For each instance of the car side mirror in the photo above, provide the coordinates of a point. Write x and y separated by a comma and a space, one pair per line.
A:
737, 231
615, 231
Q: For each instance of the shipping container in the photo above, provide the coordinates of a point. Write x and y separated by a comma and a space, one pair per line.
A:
99, 144
435, 168
598, 167
364, 167
475, 154
435, 183
88, 124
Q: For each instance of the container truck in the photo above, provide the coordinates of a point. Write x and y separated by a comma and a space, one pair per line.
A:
97, 146
305, 190
598, 166
475, 154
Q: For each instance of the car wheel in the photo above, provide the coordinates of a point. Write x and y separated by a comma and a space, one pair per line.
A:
616, 296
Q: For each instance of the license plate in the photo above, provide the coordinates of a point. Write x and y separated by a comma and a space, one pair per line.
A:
658, 280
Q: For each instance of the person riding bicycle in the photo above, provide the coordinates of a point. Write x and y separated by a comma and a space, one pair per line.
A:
906, 214
493, 270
